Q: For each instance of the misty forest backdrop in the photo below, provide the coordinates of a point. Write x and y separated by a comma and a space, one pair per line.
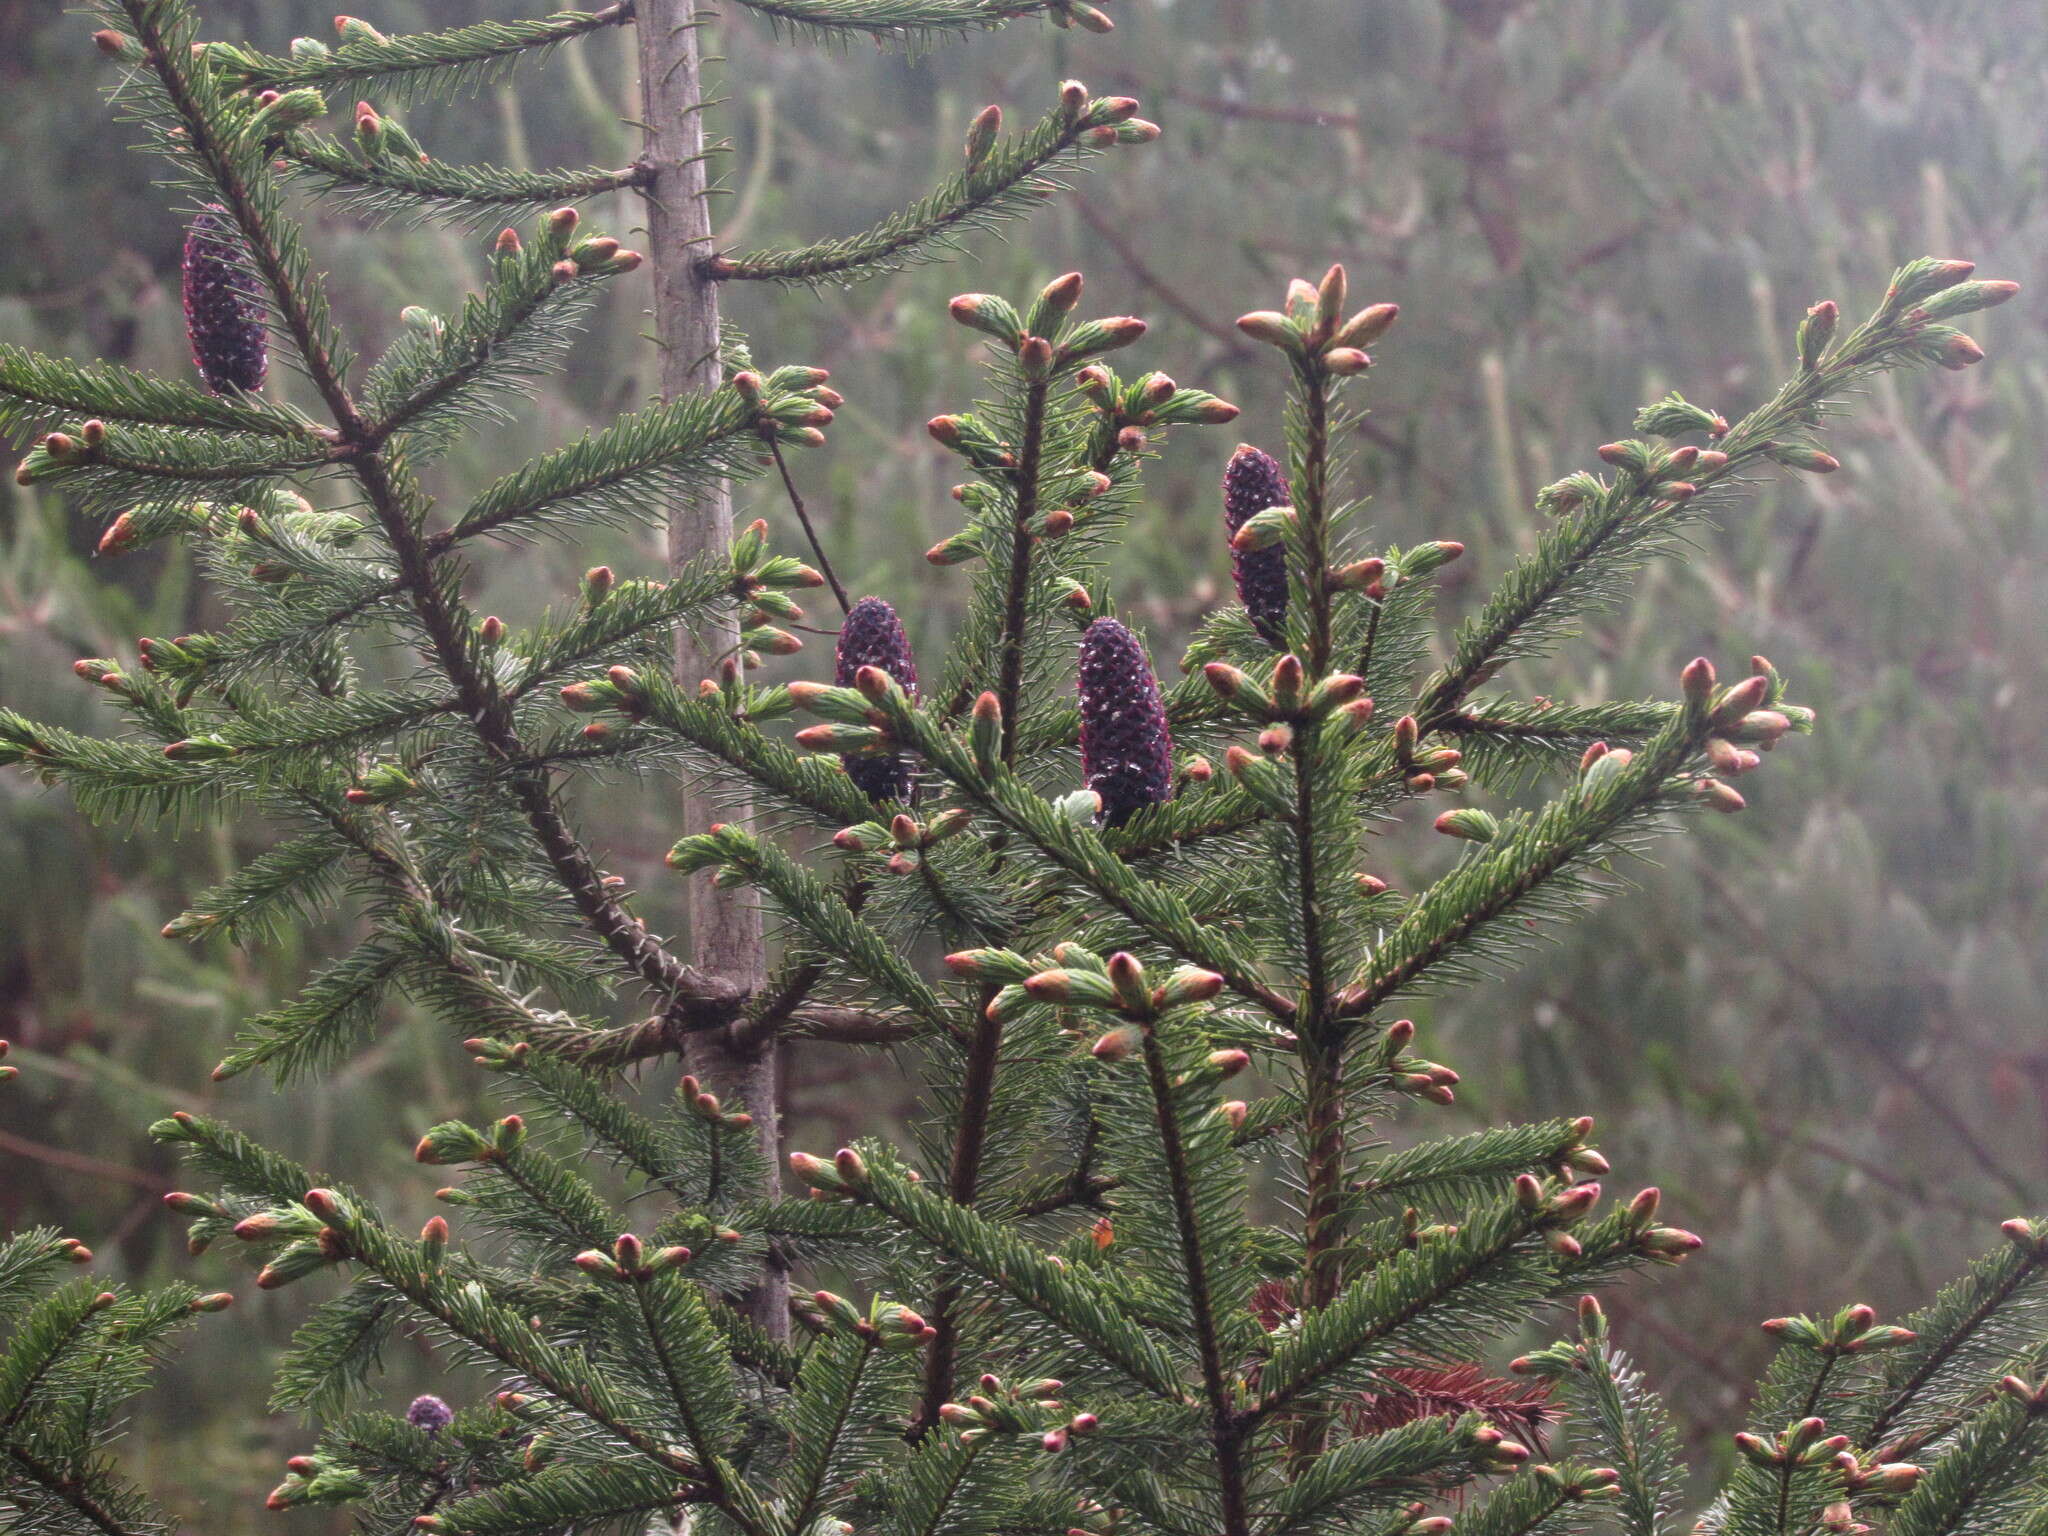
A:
1836, 1067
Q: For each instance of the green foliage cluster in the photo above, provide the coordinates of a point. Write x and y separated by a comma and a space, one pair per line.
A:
1077, 1218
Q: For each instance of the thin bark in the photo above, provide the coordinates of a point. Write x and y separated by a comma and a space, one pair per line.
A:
1322, 1060
963, 1179
1226, 1425
963, 1184
803, 516
1016, 615
724, 925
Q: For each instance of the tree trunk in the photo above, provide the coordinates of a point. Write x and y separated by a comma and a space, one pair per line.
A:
725, 926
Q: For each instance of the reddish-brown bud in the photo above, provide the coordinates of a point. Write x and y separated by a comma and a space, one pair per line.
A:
1271, 327
1961, 352
1367, 326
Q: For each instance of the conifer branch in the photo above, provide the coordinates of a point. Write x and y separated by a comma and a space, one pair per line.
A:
1219, 811
940, 1478
1561, 727
893, 19
416, 932
1631, 1430
297, 297
1459, 908
559, 1497
824, 917
432, 380
701, 1432
30, 1261
693, 1000
1528, 1502
334, 1009
505, 1338
632, 624
1002, 185
1460, 1167
579, 1220
1604, 530
1981, 1483
613, 472
848, 1026
839, 1371
115, 778
448, 1296
38, 391
608, 1050
40, 1349
1973, 1324
557, 1079
466, 195
133, 465
1083, 1186
1370, 1475
448, 60
1070, 1302
1402, 1294
1081, 853
74, 1494
812, 785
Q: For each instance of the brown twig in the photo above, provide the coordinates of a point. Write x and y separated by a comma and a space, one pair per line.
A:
78, 1162
1149, 278
1914, 1082
803, 516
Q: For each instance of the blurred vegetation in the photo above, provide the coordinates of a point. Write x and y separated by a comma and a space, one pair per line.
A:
1828, 1046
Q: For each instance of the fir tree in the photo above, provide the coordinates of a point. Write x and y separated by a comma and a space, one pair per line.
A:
1079, 1318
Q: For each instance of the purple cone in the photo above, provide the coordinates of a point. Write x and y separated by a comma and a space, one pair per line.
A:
1253, 482
872, 636
428, 1412
1126, 751
230, 346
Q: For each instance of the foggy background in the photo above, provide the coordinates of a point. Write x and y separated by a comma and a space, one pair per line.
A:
1818, 1026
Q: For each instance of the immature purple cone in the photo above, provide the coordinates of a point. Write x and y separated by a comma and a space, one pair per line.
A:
1126, 752
1252, 482
229, 344
872, 636
428, 1412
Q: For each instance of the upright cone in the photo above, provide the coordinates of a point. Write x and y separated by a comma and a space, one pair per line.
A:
1126, 751
1252, 482
230, 346
872, 636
